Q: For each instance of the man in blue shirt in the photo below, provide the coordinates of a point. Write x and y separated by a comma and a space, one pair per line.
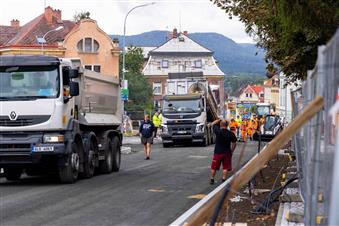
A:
146, 132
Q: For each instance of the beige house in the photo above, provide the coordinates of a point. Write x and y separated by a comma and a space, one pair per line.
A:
93, 46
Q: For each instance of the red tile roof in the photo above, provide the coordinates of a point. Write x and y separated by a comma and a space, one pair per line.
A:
26, 35
258, 89
7, 33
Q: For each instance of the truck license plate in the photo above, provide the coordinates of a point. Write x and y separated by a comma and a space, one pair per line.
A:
181, 132
42, 149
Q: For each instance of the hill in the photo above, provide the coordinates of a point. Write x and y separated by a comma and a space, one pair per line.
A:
233, 58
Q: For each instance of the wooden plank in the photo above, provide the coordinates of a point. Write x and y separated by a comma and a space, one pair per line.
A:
204, 214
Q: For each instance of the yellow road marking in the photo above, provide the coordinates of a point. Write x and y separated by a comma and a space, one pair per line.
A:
156, 190
197, 196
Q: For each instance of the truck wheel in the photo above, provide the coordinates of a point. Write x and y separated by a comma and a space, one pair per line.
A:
89, 159
116, 154
69, 172
12, 174
106, 166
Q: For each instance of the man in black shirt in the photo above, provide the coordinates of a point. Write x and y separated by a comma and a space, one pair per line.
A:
146, 131
225, 145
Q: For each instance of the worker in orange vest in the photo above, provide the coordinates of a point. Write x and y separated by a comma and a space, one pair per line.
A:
255, 125
243, 129
262, 120
233, 126
249, 129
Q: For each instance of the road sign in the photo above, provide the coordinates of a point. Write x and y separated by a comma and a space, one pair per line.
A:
124, 94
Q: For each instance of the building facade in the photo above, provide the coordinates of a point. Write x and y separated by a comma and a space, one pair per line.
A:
94, 47
84, 40
180, 55
272, 90
252, 94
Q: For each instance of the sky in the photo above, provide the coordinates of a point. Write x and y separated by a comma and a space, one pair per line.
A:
190, 15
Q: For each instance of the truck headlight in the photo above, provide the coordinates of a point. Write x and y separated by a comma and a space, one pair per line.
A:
50, 138
164, 129
200, 128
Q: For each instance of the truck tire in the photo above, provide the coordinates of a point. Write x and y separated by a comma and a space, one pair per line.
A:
12, 174
68, 173
106, 166
116, 154
89, 158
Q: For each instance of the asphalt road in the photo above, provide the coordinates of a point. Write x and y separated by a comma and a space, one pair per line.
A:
144, 192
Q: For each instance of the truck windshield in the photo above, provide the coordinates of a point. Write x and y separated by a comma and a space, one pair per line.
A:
263, 110
171, 106
29, 82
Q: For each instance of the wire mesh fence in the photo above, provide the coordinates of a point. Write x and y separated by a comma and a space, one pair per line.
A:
315, 144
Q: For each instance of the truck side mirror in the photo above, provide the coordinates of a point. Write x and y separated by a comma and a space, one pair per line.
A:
73, 89
71, 73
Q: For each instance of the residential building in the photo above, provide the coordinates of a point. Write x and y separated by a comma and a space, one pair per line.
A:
94, 47
251, 94
181, 57
84, 40
271, 90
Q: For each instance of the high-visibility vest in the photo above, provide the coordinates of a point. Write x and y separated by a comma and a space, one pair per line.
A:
156, 121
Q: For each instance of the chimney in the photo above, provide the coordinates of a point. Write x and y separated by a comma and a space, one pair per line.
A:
175, 33
15, 23
116, 42
185, 33
57, 14
51, 15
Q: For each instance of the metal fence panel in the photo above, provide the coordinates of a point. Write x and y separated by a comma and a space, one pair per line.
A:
314, 145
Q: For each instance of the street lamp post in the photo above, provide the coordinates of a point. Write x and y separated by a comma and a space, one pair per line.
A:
124, 38
42, 40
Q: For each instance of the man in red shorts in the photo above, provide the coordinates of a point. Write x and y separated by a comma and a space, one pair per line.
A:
224, 147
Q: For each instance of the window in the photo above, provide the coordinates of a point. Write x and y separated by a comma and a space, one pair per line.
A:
246, 94
197, 63
251, 95
88, 45
96, 68
261, 94
157, 88
164, 64
181, 87
171, 88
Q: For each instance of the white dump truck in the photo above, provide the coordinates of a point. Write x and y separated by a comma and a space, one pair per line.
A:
56, 117
186, 116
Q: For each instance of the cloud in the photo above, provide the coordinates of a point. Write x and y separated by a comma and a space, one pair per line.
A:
195, 15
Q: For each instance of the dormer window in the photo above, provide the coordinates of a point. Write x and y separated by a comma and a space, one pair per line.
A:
88, 45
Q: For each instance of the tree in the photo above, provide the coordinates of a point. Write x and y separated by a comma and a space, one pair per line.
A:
290, 31
82, 15
253, 109
140, 92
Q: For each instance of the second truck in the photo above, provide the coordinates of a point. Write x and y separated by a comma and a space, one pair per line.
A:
186, 116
